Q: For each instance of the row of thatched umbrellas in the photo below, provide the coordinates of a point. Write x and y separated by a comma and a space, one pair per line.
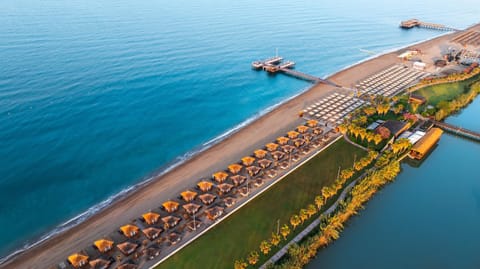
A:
152, 231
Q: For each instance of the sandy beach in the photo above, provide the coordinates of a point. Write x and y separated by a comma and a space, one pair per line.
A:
218, 157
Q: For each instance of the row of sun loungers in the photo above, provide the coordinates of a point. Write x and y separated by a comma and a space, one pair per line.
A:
333, 108
390, 81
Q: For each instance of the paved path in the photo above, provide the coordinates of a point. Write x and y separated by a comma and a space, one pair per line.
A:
353, 143
310, 227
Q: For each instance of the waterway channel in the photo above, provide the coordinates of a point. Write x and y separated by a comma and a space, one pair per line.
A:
428, 218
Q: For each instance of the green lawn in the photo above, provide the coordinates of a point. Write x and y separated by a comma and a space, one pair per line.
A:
445, 92
242, 232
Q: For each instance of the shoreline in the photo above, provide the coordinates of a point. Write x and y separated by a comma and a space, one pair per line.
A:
134, 194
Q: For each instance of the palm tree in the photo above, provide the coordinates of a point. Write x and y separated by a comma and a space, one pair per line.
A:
240, 264
325, 194
275, 240
285, 231
369, 110
342, 128
377, 139
319, 201
311, 210
253, 257
303, 215
265, 247
295, 221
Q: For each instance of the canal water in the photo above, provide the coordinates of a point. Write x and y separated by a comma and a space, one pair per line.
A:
428, 218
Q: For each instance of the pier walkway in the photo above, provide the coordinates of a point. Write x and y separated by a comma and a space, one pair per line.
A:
458, 131
274, 65
408, 24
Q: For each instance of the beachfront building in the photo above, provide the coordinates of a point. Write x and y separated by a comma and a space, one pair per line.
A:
423, 146
395, 127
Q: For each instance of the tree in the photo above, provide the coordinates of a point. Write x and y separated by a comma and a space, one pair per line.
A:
303, 215
377, 139
295, 221
319, 201
342, 128
240, 264
275, 240
311, 210
326, 193
369, 110
253, 257
346, 173
285, 231
265, 247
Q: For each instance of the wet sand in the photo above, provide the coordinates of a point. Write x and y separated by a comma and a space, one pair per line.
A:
242, 143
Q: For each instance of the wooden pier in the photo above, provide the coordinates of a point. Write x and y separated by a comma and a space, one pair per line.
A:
408, 24
274, 65
458, 131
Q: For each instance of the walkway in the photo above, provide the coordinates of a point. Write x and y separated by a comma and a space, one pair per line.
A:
353, 143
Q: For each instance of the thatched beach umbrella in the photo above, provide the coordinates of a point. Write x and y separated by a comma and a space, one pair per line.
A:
277, 155
214, 212
271, 146
173, 238
152, 233
317, 130
99, 263
258, 182
282, 140
170, 221
205, 185
253, 170
103, 245
127, 248
207, 198
288, 148
260, 153
220, 176
271, 173
298, 142
302, 129
244, 191
237, 179
151, 218
194, 225
234, 168
225, 187
229, 201
293, 134
129, 230
78, 260
188, 195
312, 123
307, 137
191, 208
152, 252
170, 206
248, 160
264, 163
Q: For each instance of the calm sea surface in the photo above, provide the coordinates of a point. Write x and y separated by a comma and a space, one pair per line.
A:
97, 96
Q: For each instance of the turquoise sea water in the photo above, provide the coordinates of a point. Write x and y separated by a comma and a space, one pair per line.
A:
97, 96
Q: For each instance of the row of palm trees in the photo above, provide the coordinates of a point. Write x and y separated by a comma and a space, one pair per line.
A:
306, 213
332, 225
360, 132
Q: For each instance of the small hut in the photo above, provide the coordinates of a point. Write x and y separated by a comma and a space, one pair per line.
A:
214, 212
127, 248
152, 233
278, 155
78, 260
271, 146
191, 208
248, 160
293, 134
129, 230
174, 238
302, 129
220, 176
103, 245
151, 218
237, 179
260, 153
282, 140
205, 186
99, 263
170, 221
225, 188
235, 168
229, 201
207, 198
264, 163
288, 148
170, 206
188, 195
253, 170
